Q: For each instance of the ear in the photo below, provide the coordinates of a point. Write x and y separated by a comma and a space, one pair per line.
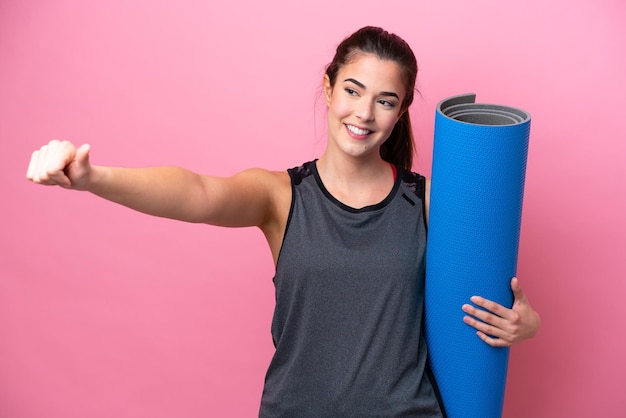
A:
328, 89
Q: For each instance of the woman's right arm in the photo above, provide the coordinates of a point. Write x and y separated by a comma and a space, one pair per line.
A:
245, 199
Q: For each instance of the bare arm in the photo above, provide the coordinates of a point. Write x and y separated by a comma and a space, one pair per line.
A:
244, 199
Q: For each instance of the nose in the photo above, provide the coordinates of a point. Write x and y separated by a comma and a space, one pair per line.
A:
365, 110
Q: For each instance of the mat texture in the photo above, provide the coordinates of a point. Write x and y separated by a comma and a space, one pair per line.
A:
479, 166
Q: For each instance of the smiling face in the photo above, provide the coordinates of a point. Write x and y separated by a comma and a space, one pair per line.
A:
363, 105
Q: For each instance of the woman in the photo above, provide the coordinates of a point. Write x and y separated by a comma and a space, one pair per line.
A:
347, 233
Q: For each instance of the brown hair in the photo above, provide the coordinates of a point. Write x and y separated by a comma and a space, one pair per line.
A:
399, 147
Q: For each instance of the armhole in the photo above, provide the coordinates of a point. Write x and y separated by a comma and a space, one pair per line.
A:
295, 178
422, 180
296, 175
433, 383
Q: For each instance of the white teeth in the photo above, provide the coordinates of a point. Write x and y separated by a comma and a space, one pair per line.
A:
358, 131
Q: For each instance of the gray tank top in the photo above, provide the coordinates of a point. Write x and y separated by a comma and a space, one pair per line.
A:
349, 304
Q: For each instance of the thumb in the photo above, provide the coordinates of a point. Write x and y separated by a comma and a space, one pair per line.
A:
517, 290
82, 155
78, 170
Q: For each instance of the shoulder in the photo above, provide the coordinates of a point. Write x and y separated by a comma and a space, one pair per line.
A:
297, 174
419, 185
266, 181
415, 182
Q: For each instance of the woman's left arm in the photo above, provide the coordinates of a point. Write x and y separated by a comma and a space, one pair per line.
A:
499, 326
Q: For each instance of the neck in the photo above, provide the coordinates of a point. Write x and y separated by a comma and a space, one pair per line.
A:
351, 169
356, 182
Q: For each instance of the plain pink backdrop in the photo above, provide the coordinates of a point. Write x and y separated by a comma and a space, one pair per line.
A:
109, 313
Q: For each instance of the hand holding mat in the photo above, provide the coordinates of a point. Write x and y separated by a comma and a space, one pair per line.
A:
479, 166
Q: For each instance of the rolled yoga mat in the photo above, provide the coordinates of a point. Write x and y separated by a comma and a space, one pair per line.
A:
479, 166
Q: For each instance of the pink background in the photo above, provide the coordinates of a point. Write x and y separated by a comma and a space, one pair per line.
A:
108, 313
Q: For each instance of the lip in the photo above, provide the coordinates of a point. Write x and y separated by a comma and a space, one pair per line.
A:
356, 135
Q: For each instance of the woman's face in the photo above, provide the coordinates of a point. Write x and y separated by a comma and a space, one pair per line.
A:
363, 105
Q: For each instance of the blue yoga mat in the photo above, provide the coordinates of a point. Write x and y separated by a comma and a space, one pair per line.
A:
479, 166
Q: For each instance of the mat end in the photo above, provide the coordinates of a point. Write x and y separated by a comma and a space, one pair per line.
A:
455, 100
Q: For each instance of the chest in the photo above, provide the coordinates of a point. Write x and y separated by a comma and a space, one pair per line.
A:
329, 246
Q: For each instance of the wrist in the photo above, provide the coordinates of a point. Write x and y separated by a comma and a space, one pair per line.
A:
95, 179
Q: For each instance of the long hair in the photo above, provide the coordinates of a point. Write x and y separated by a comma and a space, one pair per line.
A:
399, 147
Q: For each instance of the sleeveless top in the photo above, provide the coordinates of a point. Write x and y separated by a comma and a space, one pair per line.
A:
347, 326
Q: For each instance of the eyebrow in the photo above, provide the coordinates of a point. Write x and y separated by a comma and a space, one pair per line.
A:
383, 93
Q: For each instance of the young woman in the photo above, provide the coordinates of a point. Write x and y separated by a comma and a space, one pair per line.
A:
347, 233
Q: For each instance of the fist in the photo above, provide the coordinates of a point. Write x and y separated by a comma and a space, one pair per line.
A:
60, 163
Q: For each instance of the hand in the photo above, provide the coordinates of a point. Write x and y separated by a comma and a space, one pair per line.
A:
59, 163
500, 326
